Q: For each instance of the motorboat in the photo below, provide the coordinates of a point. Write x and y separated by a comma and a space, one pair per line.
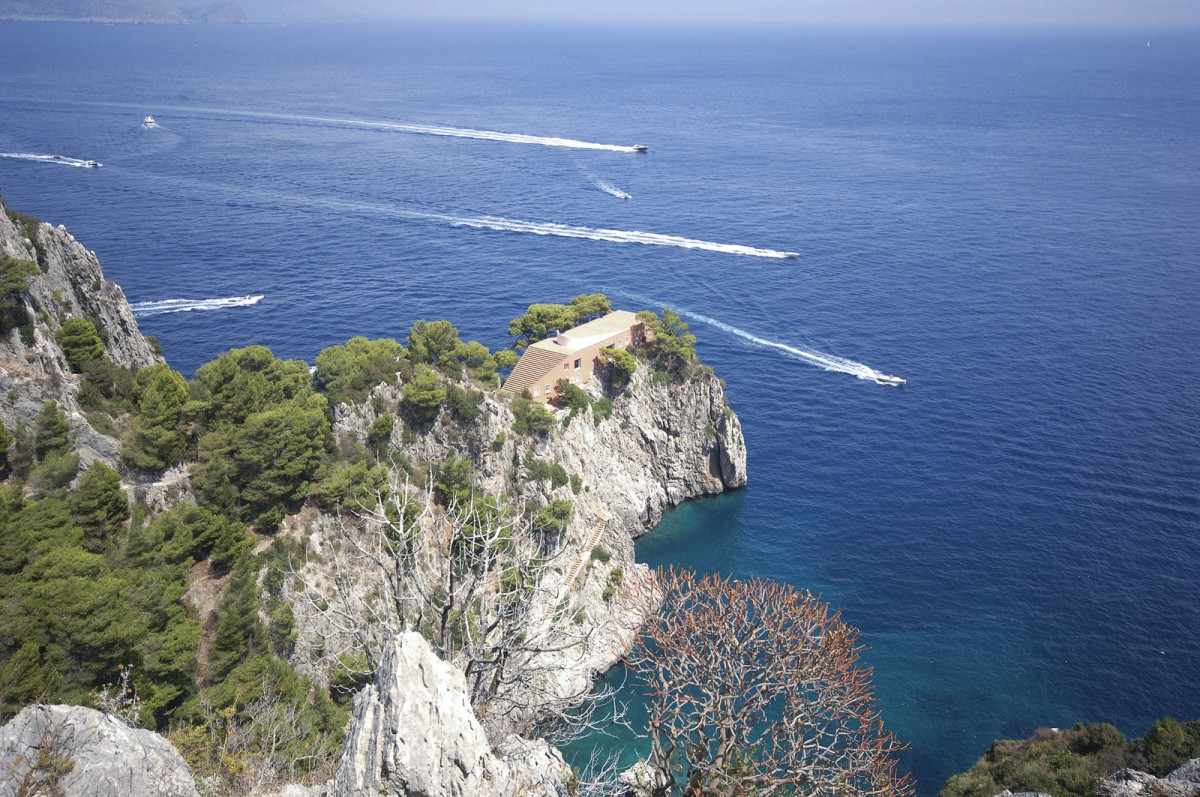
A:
640, 148
149, 121
91, 165
886, 379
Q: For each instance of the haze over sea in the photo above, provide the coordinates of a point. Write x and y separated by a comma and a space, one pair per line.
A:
1007, 219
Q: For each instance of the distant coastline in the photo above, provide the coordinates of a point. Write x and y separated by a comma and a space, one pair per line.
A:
141, 12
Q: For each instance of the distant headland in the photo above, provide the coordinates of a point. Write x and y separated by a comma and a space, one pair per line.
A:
149, 12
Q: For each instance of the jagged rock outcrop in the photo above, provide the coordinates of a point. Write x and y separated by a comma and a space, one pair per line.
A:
663, 444
1183, 782
413, 733
33, 369
78, 752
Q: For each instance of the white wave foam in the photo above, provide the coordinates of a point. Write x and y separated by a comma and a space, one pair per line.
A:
498, 223
61, 160
609, 188
144, 309
429, 130
602, 234
827, 362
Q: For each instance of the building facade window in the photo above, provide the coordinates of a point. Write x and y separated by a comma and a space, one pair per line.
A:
577, 363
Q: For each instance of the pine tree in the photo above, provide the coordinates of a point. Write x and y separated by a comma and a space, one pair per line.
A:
53, 432
99, 505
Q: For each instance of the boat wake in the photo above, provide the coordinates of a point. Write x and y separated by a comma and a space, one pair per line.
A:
498, 223
601, 234
827, 362
61, 160
609, 188
145, 309
428, 130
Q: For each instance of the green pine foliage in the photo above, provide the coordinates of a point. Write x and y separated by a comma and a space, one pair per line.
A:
453, 482
672, 347
540, 320
257, 470
53, 433
1071, 763
553, 517
72, 617
6, 440
242, 382
423, 396
347, 373
530, 418
240, 633
14, 281
157, 436
79, 341
99, 506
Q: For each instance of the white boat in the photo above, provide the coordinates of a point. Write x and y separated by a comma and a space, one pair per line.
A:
149, 122
91, 165
640, 148
886, 379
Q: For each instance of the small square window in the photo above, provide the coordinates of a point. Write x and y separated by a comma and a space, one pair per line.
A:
535, 391
566, 366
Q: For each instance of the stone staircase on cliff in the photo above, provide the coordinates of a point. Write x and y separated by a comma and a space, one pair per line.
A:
593, 540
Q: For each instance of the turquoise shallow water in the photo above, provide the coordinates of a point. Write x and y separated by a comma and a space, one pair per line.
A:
1007, 219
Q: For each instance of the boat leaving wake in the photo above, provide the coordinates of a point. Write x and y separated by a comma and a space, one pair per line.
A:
61, 160
498, 223
609, 188
602, 234
145, 309
827, 362
428, 130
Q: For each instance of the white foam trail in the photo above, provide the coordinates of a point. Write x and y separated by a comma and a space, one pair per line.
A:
602, 234
428, 130
144, 309
61, 160
827, 362
500, 223
609, 188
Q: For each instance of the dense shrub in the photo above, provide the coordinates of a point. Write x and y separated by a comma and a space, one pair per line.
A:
349, 371
79, 342
157, 435
14, 280
1071, 763
530, 418
423, 396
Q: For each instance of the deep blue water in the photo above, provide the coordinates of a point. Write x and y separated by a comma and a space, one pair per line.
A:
1007, 219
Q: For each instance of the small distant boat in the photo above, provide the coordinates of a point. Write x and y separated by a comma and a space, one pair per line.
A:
149, 122
886, 379
640, 148
91, 165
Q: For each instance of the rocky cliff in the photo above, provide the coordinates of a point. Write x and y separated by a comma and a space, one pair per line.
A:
74, 751
664, 443
69, 283
413, 732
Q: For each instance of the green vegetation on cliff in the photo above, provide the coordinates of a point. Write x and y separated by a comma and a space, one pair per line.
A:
1072, 762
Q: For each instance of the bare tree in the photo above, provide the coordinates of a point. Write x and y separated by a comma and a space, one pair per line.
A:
474, 579
754, 687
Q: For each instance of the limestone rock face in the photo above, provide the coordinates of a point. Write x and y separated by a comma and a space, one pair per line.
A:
1183, 782
74, 751
663, 444
33, 369
413, 733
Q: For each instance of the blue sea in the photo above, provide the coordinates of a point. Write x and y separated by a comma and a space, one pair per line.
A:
1008, 219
